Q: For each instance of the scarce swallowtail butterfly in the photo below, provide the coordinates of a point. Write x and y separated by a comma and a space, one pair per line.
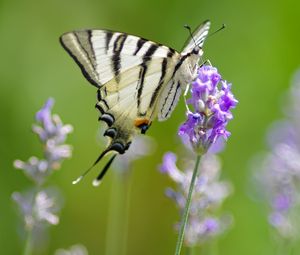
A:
137, 80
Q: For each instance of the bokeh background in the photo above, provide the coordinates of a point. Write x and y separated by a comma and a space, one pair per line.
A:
258, 52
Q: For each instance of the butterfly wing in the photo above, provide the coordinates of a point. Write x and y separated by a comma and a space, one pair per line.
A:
102, 54
169, 99
199, 35
128, 107
131, 74
183, 72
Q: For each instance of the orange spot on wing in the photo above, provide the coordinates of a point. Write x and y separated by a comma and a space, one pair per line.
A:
141, 121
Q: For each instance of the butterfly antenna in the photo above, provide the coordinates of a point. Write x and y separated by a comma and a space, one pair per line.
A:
91, 167
190, 32
98, 180
218, 30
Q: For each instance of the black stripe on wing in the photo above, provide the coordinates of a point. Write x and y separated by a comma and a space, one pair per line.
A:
139, 45
116, 60
160, 83
164, 65
84, 72
143, 70
166, 98
181, 60
173, 100
108, 37
86, 46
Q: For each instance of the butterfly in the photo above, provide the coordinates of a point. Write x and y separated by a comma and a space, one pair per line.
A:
137, 80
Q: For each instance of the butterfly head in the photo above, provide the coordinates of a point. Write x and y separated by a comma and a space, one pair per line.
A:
196, 53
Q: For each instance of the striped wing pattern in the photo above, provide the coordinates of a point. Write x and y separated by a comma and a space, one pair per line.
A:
169, 99
130, 73
137, 79
199, 36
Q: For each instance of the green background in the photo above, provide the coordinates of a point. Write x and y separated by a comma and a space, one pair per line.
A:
258, 52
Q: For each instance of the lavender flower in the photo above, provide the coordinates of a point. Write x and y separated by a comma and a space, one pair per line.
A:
212, 104
278, 171
39, 206
209, 194
38, 209
279, 178
52, 134
77, 249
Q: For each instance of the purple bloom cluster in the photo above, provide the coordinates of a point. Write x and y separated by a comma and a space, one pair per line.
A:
278, 171
39, 206
208, 196
278, 174
38, 209
52, 133
212, 104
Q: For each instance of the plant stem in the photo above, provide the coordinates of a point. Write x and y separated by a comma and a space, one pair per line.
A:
116, 238
187, 208
28, 244
127, 193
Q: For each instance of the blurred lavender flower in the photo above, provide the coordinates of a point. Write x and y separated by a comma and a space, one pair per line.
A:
52, 134
278, 171
212, 107
77, 249
278, 175
39, 207
209, 194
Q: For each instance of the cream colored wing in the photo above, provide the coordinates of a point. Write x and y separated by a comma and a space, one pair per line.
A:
128, 107
168, 99
103, 55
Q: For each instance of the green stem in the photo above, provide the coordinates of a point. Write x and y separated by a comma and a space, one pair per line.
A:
28, 244
28, 249
116, 238
187, 208
127, 193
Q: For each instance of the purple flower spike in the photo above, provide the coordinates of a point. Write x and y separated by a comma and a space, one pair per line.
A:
52, 133
39, 206
209, 194
169, 167
212, 105
51, 126
38, 209
277, 172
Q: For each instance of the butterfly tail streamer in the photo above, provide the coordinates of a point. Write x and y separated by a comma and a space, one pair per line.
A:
99, 178
95, 163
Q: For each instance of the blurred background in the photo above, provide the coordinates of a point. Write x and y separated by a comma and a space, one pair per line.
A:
258, 52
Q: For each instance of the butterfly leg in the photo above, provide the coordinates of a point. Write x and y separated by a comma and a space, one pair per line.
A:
184, 96
206, 62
